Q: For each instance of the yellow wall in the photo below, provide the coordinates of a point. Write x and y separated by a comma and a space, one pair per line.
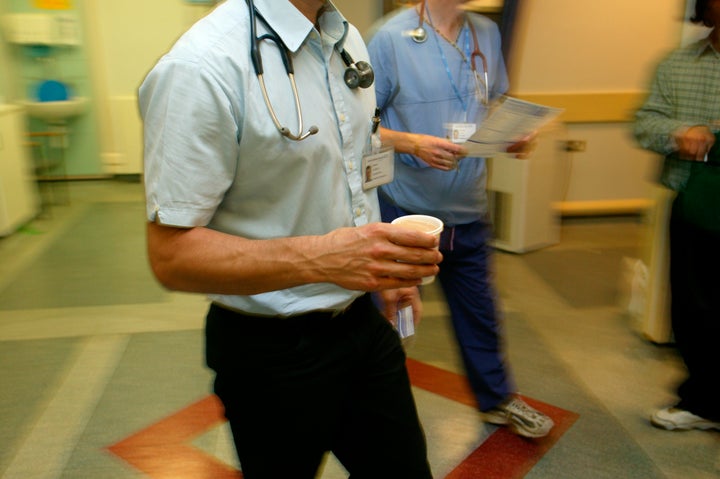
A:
7, 79
595, 59
362, 14
568, 46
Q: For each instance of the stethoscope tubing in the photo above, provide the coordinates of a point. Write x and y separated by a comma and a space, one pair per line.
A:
419, 35
256, 59
358, 74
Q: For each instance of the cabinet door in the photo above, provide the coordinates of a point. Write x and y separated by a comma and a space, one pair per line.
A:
18, 192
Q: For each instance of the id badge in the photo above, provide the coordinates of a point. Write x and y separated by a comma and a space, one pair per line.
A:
378, 168
460, 132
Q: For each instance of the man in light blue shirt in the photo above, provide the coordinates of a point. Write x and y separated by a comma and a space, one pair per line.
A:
284, 238
437, 70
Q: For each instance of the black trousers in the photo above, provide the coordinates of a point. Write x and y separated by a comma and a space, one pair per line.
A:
296, 388
695, 312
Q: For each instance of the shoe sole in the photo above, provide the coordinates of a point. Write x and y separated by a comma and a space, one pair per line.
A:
503, 421
525, 433
671, 426
495, 419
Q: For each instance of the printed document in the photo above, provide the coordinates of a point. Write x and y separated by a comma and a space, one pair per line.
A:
509, 121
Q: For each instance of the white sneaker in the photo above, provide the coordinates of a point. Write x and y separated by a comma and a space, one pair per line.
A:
522, 419
673, 418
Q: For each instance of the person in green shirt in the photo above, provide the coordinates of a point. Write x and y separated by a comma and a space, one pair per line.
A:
679, 120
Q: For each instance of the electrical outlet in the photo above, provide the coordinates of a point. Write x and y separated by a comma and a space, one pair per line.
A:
575, 145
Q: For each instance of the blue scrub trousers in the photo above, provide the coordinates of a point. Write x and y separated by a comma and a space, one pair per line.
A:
465, 280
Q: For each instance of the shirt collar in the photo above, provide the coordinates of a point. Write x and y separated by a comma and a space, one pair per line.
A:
703, 46
334, 25
293, 27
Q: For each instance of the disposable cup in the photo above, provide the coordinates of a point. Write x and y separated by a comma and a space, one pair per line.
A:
426, 224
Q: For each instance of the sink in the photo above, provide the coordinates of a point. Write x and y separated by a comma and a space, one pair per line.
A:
55, 111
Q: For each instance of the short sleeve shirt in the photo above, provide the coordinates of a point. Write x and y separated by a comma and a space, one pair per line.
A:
214, 158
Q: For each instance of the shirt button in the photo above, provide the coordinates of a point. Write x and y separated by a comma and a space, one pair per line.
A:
358, 211
351, 165
342, 117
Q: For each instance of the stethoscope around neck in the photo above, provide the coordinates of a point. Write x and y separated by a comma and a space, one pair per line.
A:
358, 74
419, 35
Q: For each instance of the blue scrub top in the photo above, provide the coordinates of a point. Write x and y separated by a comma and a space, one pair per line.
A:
421, 87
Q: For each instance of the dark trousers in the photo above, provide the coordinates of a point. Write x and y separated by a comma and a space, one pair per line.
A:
296, 388
695, 312
466, 282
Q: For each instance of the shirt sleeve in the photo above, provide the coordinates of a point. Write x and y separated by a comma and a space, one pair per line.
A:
382, 52
191, 143
654, 120
501, 83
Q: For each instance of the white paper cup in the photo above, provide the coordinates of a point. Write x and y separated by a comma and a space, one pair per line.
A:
426, 224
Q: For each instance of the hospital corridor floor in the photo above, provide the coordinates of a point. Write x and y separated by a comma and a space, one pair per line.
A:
102, 373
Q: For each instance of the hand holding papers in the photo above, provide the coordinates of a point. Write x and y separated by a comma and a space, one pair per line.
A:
509, 121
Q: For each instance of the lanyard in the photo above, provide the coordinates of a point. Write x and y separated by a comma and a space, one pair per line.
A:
445, 61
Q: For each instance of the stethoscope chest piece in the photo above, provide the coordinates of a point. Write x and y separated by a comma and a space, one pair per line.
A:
357, 74
419, 35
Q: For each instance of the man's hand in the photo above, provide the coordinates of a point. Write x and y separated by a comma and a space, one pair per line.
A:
524, 147
372, 257
395, 299
694, 143
438, 152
